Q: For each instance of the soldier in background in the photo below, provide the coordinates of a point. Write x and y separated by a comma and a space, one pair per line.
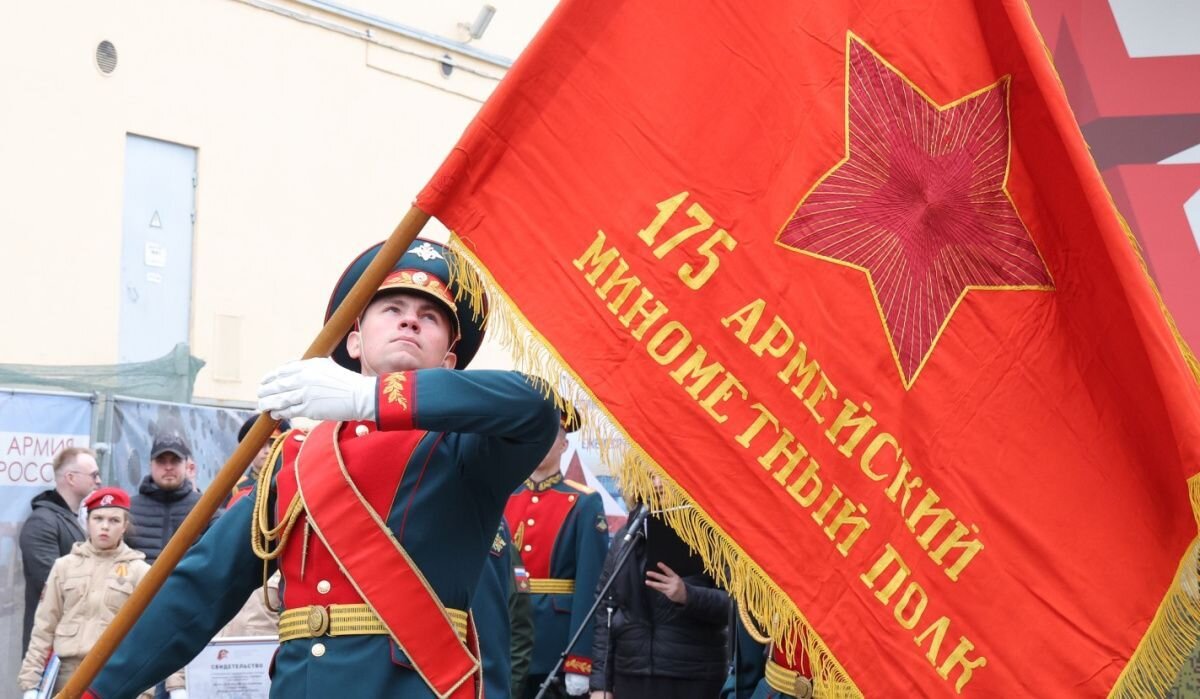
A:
246, 483
260, 615
562, 534
503, 619
520, 611
763, 670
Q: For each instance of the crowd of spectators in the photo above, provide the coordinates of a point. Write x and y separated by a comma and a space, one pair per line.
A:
83, 554
656, 634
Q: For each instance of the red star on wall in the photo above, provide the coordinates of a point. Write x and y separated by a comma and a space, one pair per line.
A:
918, 203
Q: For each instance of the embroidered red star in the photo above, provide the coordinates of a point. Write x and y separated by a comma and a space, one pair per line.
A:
919, 204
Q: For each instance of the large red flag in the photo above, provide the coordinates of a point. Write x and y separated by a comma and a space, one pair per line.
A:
846, 274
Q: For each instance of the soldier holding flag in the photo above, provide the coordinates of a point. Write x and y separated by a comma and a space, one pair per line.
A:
379, 518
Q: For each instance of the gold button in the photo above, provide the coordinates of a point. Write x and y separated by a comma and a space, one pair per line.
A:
528, 547
323, 587
534, 498
318, 649
362, 430
529, 521
570, 498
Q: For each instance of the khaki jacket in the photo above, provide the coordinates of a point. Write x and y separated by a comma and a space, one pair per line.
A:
256, 618
85, 589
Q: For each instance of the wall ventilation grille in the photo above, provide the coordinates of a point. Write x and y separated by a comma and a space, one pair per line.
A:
106, 57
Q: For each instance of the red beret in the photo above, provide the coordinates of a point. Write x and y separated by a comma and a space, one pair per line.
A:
107, 497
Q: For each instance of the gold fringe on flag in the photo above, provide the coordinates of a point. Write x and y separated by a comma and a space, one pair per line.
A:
1172, 636
732, 569
1171, 639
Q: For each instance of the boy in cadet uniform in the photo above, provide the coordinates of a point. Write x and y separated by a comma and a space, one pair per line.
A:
85, 590
379, 519
560, 529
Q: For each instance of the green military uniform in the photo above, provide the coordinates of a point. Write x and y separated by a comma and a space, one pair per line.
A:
369, 521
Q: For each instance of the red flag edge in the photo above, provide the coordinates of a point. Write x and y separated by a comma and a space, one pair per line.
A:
1174, 632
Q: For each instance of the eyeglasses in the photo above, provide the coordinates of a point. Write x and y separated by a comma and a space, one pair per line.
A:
94, 475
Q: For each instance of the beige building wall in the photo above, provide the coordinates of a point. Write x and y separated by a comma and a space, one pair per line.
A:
314, 128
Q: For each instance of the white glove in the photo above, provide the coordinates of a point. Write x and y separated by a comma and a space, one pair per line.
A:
577, 685
29, 694
177, 694
318, 389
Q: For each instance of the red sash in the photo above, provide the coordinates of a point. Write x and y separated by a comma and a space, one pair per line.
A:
379, 568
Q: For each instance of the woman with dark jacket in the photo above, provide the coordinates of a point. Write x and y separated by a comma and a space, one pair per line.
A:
658, 635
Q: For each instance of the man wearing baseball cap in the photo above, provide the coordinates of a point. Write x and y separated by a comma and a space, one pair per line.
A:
379, 518
165, 496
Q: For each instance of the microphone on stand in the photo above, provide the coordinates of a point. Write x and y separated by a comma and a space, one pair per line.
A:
636, 524
633, 530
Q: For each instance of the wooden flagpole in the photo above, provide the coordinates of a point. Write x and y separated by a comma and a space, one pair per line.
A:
326, 341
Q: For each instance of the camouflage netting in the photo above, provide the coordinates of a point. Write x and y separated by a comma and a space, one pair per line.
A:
168, 378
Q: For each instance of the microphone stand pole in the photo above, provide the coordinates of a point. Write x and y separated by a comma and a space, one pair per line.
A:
628, 541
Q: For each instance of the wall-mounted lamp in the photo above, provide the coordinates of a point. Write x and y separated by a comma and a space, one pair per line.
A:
475, 29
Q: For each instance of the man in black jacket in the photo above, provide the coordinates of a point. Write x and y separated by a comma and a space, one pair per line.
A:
53, 528
164, 498
658, 635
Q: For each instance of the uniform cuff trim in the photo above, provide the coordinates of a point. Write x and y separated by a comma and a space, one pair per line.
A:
578, 665
396, 400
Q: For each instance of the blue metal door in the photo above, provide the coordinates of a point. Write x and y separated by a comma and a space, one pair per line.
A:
156, 247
